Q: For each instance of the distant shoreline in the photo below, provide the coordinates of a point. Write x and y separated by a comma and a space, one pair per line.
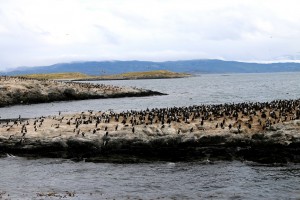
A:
75, 76
137, 78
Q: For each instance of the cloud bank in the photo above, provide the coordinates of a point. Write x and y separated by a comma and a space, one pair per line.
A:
41, 32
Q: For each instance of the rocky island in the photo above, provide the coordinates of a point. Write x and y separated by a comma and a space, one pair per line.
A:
156, 74
22, 90
75, 76
262, 132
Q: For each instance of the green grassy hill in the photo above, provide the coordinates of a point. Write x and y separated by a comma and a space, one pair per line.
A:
145, 75
58, 76
125, 76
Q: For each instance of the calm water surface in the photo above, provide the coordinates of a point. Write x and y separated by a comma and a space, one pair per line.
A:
204, 89
22, 178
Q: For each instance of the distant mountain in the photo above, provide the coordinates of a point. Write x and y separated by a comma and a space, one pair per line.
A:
186, 66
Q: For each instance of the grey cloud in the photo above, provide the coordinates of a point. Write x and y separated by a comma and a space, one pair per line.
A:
235, 30
108, 35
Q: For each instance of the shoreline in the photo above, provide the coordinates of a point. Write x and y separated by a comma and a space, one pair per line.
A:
122, 79
175, 149
261, 132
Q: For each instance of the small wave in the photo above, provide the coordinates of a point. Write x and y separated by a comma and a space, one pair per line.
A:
10, 155
171, 164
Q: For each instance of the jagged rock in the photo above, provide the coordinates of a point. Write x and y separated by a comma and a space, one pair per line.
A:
147, 142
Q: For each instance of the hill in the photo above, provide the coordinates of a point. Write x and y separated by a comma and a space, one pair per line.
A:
156, 74
58, 76
125, 76
184, 66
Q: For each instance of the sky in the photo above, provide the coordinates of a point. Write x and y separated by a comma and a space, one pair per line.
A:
44, 32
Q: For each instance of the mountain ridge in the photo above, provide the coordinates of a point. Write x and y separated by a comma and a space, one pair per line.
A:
181, 66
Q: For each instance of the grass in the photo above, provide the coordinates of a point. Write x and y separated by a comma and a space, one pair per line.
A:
147, 74
129, 75
71, 75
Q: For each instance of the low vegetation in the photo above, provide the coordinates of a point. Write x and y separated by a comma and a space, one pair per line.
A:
146, 75
125, 76
58, 76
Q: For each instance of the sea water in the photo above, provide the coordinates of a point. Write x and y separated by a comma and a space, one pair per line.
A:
24, 178
202, 89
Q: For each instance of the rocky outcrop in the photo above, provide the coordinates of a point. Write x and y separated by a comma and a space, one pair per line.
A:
279, 144
20, 90
262, 132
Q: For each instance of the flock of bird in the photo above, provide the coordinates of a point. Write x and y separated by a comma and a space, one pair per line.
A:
243, 117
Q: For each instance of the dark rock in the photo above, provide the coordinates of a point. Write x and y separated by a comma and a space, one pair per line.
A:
69, 93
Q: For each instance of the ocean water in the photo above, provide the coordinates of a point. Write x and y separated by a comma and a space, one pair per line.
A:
203, 89
24, 178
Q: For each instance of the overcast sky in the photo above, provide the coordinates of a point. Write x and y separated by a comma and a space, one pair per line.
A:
42, 32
